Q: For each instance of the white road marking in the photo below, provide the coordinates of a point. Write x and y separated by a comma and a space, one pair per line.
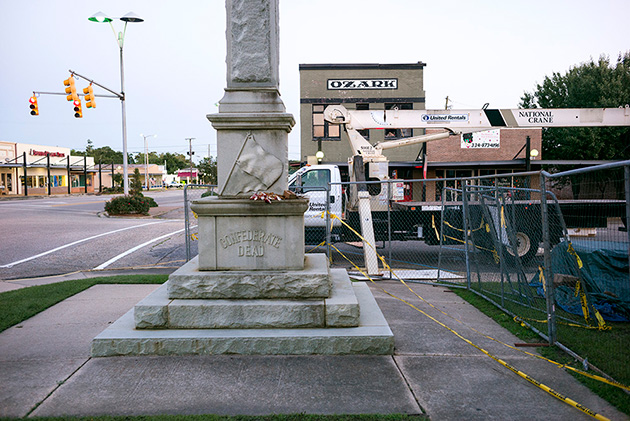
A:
77, 242
131, 250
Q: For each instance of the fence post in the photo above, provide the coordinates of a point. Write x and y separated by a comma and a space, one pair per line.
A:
465, 226
389, 227
547, 271
328, 227
186, 218
626, 171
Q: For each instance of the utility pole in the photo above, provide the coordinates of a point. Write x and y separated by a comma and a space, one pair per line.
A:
190, 155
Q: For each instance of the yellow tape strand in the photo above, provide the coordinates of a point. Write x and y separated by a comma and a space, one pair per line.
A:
505, 364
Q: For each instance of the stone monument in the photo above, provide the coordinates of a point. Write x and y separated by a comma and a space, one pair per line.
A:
251, 289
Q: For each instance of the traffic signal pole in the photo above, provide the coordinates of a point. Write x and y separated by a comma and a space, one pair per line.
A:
89, 96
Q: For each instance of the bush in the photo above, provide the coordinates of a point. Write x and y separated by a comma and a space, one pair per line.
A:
123, 205
151, 201
110, 190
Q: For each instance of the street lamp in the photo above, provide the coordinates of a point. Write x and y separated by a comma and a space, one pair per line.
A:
101, 17
146, 158
319, 155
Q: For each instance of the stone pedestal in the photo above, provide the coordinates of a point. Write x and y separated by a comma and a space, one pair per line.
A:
252, 312
252, 290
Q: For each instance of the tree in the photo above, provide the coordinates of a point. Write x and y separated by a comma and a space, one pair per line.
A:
174, 161
104, 155
136, 183
589, 85
207, 168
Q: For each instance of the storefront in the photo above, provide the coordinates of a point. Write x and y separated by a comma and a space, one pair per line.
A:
29, 170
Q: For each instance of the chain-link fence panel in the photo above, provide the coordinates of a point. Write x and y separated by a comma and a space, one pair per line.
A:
193, 192
589, 272
503, 238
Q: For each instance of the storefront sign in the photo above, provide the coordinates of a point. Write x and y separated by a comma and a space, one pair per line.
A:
490, 139
44, 153
362, 83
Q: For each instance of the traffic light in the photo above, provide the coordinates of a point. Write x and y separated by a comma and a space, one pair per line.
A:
71, 89
78, 112
33, 105
89, 97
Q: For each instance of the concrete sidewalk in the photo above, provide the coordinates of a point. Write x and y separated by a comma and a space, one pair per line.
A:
46, 370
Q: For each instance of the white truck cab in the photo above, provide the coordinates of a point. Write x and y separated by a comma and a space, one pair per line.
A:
313, 181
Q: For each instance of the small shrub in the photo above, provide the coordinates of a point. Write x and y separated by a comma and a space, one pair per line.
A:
151, 201
123, 205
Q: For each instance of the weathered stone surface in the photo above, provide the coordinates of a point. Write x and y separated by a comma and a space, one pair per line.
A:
342, 308
372, 336
245, 314
152, 311
252, 43
243, 234
311, 282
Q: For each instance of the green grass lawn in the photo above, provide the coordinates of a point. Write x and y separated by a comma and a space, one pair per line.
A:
290, 417
21, 304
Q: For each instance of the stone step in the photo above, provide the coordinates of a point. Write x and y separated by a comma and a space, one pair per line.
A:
189, 282
341, 309
372, 336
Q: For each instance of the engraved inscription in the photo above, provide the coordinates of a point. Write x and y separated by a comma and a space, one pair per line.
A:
243, 241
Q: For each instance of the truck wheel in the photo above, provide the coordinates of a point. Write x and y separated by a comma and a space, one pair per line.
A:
526, 247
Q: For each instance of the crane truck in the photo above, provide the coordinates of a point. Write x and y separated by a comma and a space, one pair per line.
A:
366, 212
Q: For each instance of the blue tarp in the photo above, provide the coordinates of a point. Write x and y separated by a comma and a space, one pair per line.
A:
605, 274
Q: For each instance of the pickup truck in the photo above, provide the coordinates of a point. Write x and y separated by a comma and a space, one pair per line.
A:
421, 221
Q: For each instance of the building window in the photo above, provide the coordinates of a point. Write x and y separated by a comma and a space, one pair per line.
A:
30, 181
365, 132
452, 194
398, 133
322, 130
78, 180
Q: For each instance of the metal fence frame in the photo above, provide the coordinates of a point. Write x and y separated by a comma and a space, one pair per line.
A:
187, 212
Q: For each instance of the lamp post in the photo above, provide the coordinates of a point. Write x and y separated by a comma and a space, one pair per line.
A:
100, 17
146, 158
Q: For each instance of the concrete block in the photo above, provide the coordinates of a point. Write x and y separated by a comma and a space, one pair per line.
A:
243, 234
152, 311
342, 308
245, 314
190, 282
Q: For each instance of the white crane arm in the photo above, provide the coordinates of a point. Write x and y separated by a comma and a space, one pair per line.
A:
478, 120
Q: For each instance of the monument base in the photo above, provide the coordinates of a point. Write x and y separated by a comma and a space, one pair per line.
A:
372, 336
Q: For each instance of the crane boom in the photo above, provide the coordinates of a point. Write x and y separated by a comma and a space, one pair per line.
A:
477, 120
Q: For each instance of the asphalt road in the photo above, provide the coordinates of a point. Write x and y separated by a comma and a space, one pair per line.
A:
61, 234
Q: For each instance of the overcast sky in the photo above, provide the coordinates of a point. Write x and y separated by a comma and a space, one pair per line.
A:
475, 52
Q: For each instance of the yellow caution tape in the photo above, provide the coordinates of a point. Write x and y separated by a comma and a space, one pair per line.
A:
505, 364
572, 251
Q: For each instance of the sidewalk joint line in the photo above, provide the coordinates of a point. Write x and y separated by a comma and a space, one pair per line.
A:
59, 384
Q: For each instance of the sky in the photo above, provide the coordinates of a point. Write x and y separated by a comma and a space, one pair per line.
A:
475, 52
